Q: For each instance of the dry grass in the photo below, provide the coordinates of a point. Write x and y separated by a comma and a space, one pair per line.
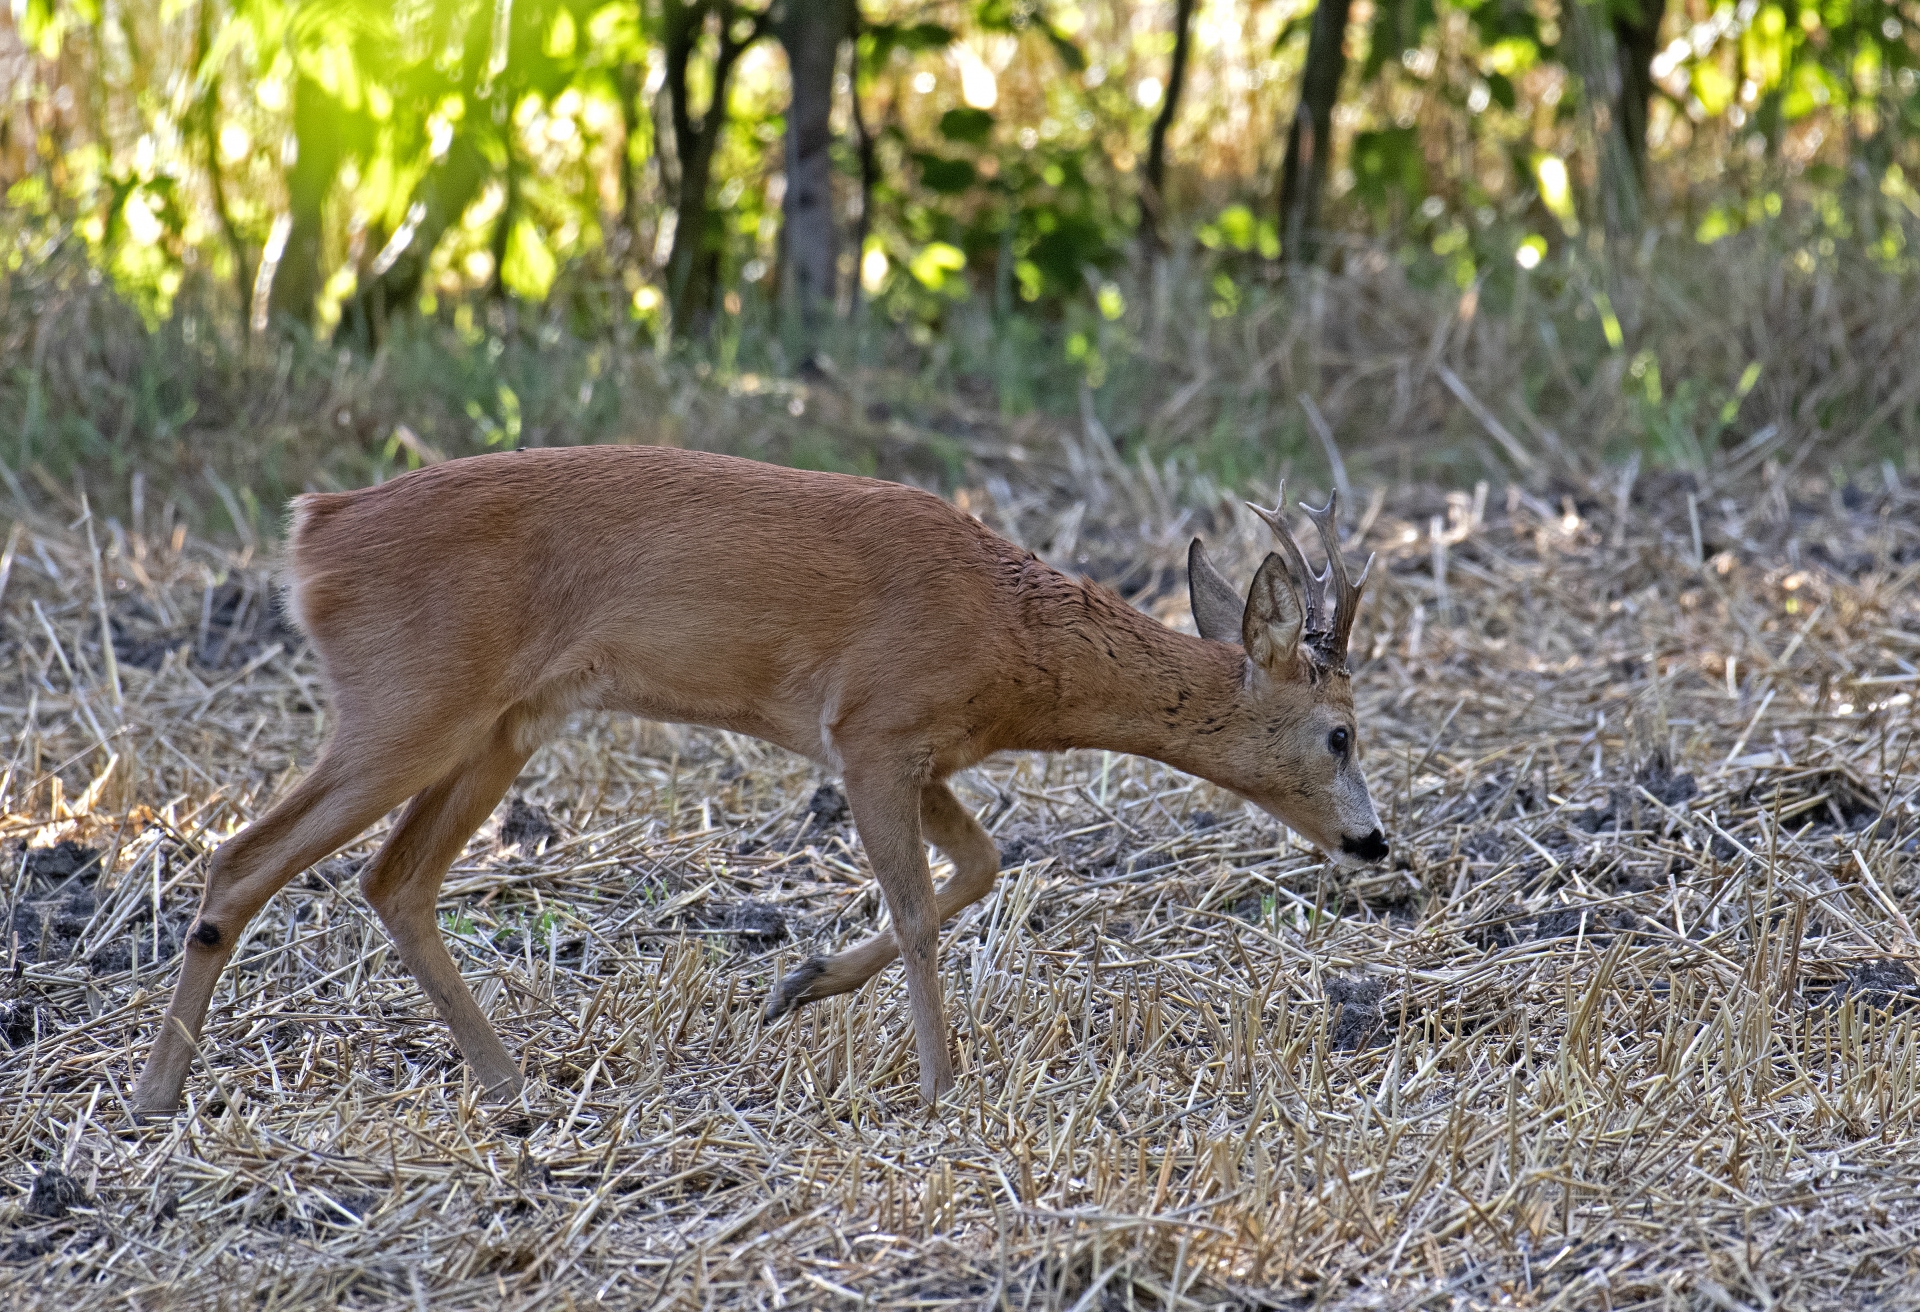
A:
1603, 1036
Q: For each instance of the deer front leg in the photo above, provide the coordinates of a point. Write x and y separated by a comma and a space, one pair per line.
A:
950, 827
886, 810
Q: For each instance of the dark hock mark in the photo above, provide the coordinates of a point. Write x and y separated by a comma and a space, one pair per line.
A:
828, 806
525, 826
1354, 1017
53, 1193
207, 934
1371, 848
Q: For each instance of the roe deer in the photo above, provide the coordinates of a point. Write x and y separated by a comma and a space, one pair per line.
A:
462, 611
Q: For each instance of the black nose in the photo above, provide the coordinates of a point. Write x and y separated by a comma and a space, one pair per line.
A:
1371, 848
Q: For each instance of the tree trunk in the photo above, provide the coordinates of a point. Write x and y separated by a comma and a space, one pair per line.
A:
869, 172
1153, 194
207, 111
509, 213
1636, 39
690, 271
1600, 62
1303, 178
812, 32
296, 282
689, 281
399, 269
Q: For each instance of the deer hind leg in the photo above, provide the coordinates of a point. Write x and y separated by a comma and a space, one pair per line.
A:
403, 884
950, 827
348, 790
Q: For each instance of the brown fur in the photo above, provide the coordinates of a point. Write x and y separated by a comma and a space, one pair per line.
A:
462, 611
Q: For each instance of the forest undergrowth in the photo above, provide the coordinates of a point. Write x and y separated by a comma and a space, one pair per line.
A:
1707, 359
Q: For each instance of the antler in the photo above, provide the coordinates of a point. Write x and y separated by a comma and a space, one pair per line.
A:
1346, 599
1312, 589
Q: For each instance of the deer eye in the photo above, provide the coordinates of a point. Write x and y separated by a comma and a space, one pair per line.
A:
1337, 742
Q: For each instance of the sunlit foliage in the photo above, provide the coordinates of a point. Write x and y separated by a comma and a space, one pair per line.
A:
338, 162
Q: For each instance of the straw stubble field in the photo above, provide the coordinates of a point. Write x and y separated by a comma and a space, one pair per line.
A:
1625, 1023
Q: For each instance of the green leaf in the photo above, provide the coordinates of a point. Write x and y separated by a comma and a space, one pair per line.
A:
924, 36
935, 262
969, 126
1070, 54
879, 40
1237, 227
1398, 26
1389, 166
949, 177
529, 267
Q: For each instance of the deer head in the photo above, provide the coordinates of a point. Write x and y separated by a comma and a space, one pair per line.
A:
1295, 747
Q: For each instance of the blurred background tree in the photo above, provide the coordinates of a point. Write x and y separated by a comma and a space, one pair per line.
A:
678, 171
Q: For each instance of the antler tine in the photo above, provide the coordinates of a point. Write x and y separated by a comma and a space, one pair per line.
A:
1346, 591
1311, 589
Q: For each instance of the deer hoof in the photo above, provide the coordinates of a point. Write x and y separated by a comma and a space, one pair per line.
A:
794, 989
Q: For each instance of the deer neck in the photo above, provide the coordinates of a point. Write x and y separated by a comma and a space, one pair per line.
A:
1109, 677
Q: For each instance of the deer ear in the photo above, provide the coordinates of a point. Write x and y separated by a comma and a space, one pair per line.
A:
1217, 608
1274, 618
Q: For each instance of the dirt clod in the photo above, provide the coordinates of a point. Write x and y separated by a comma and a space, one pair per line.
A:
63, 860
1354, 1018
525, 826
756, 925
54, 1193
828, 806
19, 1021
1886, 984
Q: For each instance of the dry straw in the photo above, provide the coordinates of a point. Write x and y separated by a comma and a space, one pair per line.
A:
1625, 1025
